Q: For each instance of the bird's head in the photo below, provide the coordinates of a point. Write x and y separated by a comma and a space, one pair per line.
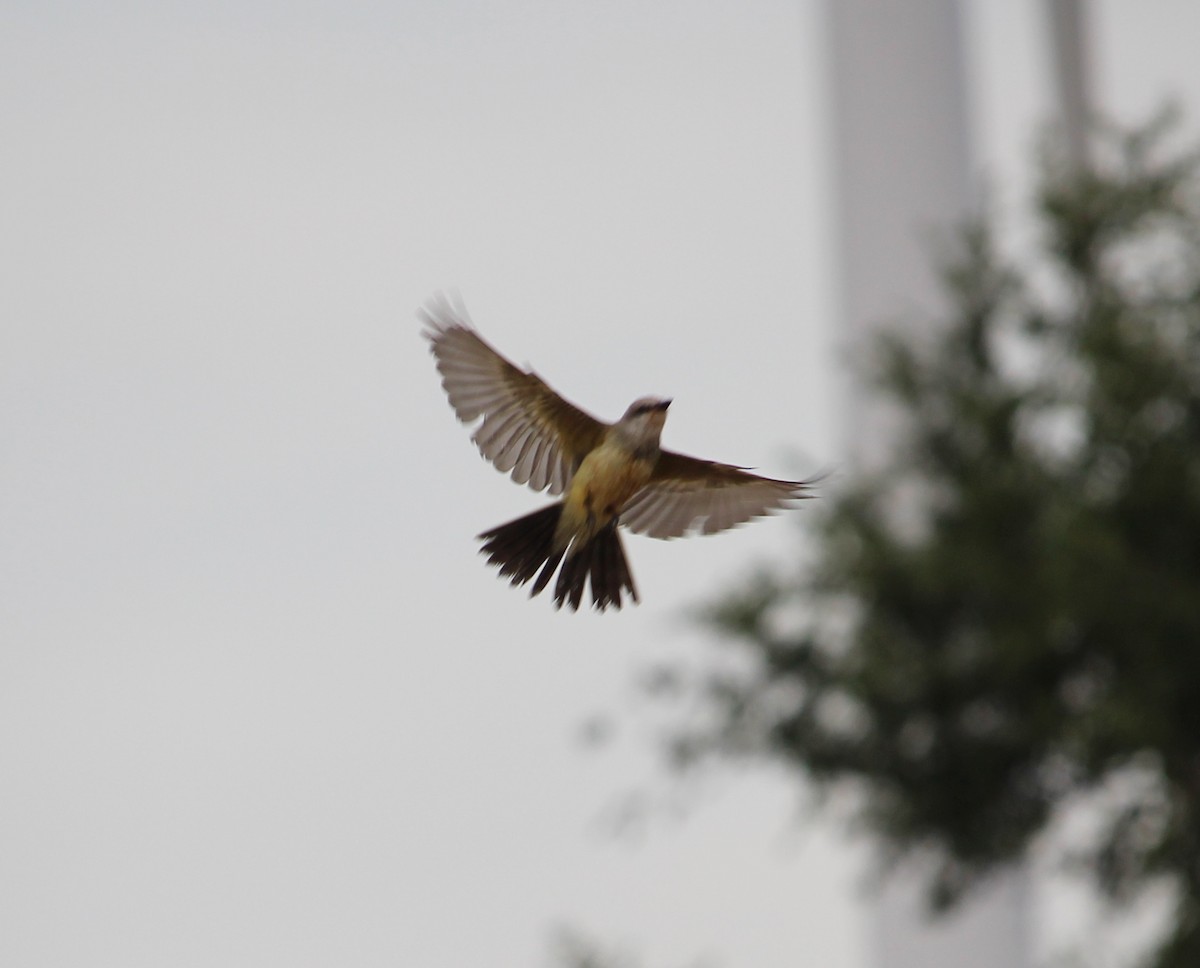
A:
643, 421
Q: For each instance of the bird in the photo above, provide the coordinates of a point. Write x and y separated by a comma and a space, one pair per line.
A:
608, 474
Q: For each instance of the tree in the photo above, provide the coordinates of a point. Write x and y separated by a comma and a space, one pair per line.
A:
1006, 616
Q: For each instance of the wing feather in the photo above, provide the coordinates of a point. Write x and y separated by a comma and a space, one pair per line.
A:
539, 476
510, 455
560, 474
492, 434
687, 494
527, 428
528, 460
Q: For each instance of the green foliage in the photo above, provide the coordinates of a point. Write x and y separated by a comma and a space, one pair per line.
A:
1006, 615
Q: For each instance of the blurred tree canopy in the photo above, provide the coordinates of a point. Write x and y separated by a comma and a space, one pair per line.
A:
1004, 618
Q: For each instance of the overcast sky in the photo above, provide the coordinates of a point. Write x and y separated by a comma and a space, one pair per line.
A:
261, 702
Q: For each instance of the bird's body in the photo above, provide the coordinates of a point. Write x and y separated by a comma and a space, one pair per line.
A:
608, 474
607, 478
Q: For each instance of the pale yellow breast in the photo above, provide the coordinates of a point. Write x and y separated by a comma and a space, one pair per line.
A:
608, 477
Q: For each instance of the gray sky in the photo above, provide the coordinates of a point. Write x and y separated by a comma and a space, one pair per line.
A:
261, 703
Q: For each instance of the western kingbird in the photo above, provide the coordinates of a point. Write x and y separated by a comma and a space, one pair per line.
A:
608, 473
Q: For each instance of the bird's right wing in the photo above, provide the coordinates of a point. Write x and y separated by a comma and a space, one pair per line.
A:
527, 428
687, 494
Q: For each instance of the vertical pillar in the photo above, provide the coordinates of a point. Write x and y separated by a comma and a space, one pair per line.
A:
902, 164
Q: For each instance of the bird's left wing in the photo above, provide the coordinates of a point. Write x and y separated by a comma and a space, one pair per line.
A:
527, 428
686, 494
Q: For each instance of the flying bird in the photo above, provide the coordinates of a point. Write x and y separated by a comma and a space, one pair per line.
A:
607, 474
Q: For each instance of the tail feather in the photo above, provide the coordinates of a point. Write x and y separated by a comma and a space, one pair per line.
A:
610, 569
525, 547
572, 579
521, 547
547, 573
603, 559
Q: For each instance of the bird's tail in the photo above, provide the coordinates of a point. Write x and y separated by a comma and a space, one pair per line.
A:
604, 559
525, 547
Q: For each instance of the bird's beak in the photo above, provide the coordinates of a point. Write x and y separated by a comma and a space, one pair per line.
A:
662, 404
